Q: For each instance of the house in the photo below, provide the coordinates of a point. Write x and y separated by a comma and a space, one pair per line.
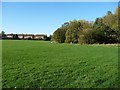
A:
24, 36
20, 36
9, 36
28, 36
40, 36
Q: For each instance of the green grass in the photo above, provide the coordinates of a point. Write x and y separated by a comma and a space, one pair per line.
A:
43, 64
0, 64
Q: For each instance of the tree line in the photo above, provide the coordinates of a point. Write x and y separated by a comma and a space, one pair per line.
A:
103, 30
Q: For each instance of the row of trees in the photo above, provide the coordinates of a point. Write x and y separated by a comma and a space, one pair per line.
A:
103, 30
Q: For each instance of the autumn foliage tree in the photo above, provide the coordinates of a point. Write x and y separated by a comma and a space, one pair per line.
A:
104, 30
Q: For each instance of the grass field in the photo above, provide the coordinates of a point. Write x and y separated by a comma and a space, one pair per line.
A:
0, 64
41, 64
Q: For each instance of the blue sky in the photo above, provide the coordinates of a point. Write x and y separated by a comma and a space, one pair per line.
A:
46, 17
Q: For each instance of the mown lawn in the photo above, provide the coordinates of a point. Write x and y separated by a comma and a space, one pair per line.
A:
41, 64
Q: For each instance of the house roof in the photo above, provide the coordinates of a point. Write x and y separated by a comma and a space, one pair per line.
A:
20, 34
28, 35
39, 35
9, 34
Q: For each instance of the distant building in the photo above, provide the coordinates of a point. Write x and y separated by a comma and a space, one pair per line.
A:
24, 36
10, 36
20, 36
40, 36
28, 36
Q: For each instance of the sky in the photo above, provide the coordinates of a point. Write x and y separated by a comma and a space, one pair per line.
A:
46, 17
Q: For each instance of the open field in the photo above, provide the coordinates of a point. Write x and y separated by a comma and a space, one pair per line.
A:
43, 64
0, 64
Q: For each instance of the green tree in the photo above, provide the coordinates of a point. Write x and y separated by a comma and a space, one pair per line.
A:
59, 35
103, 30
87, 37
15, 36
2, 34
112, 21
72, 32
103, 33
71, 36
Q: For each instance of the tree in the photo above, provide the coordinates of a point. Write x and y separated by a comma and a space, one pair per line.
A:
103, 33
71, 36
117, 11
73, 31
59, 35
112, 21
2, 34
103, 30
87, 37
117, 26
48, 38
15, 36
86, 34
